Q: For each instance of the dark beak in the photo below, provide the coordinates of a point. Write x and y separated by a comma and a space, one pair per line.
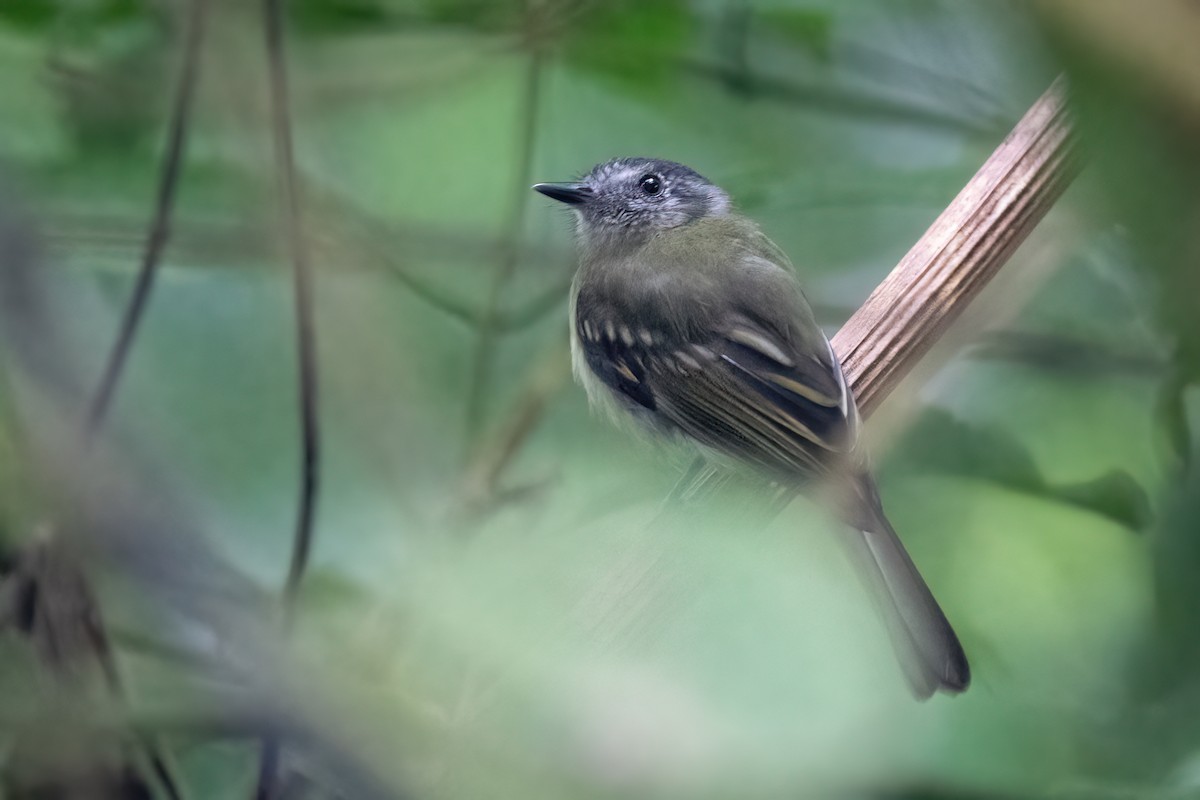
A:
571, 193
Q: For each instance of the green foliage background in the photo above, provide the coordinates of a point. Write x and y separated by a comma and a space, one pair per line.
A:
549, 634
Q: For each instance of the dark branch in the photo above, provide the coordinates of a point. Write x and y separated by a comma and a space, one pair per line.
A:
302, 282
305, 347
172, 165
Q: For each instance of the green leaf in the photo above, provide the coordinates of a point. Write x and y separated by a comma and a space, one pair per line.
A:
941, 443
29, 14
1115, 495
635, 44
811, 29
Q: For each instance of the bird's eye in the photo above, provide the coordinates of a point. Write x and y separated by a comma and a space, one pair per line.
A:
650, 184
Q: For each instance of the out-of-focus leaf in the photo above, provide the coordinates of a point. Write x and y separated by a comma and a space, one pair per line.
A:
1173, 418
808, 27
110, 71
325, 18
1145, 155
334, 16
33, 14
483, 14
635, 44
1138, 111
941, 443
1177, 563
1115, 495
1082, 401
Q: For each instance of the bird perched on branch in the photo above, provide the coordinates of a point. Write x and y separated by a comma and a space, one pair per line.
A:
687, 317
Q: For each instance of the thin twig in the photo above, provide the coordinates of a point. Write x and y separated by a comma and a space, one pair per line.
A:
492, 456
172, 165
491, 317
305, 348
302, 281
961, 252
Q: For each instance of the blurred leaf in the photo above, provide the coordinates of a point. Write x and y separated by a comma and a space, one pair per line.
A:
334, 16
939, 442
110, 69
481, 14
1177, 562
30, 13
633, 43
1143, 146
80, 14
1115, 495
810, 28
323, 19
1172, 415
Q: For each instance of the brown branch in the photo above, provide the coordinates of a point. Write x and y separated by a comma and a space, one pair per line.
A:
960, 253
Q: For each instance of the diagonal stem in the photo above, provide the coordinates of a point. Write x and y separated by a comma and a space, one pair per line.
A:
961, 252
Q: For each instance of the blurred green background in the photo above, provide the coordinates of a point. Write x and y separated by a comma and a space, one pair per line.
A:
495, 606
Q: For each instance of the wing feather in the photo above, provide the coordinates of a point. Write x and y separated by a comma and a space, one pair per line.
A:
737, 398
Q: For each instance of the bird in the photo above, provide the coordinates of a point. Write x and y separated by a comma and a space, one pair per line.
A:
686, 318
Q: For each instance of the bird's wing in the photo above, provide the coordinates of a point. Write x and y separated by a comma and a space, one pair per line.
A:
742, 393
742, 389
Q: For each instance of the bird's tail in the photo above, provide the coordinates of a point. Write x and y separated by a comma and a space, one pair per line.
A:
925, 644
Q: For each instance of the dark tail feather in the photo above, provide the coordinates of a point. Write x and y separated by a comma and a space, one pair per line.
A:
926, 645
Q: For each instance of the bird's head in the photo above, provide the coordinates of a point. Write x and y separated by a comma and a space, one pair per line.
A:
631, 196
